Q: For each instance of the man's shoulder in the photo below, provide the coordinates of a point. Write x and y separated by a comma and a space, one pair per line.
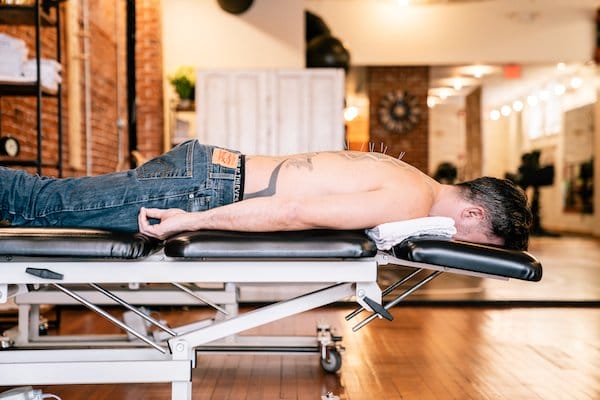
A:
413, 185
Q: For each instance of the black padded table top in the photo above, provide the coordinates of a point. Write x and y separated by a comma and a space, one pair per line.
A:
89, 243
296, 244
471, 257
485, 259
74, 243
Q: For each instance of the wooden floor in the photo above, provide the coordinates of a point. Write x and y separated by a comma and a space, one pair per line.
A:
427, 352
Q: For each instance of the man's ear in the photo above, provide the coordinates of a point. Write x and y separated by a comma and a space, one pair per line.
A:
474, 213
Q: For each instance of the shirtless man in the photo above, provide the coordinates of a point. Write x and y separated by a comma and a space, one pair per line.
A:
195, 187
351, 190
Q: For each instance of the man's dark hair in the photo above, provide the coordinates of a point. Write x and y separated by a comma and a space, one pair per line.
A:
505, 205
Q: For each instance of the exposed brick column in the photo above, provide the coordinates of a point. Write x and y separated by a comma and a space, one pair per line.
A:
107, 29
149, 73
414, 80
473, 161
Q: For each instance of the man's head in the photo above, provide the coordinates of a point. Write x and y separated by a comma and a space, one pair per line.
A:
506, 215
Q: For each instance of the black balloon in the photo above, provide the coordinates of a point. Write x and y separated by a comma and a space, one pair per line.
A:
235, 6
314, 25
326, 51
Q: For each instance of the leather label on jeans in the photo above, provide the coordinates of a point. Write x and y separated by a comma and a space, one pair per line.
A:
225, 158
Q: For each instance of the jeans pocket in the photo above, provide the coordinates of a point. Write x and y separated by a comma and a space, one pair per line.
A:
176, 163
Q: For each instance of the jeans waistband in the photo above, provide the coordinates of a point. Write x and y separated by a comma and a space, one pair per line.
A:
238, 181
226, 174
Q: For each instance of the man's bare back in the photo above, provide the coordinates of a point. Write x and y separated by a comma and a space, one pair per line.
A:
317, 174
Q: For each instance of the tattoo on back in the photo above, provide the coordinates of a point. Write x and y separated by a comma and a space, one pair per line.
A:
379, 157
373, 156
305, 161
299, 161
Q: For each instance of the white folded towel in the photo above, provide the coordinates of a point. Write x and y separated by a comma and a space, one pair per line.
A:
390, 234
45, 63
49, 72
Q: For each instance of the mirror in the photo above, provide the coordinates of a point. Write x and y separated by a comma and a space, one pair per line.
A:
578, 160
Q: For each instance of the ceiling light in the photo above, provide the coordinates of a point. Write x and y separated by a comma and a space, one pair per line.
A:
350, 113
517, 105
532, 100
454, 81
576, 82
559, 89
441, 92
432, 101
505, 110
494, 115
561, 67
544, 95
477, 71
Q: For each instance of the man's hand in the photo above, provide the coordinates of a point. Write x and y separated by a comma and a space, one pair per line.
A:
172, 221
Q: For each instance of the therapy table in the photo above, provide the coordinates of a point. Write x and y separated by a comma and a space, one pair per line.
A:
50, 261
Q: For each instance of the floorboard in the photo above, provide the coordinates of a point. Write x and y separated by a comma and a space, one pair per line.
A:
437, 353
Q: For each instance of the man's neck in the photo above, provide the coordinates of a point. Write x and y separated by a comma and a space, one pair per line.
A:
445, 202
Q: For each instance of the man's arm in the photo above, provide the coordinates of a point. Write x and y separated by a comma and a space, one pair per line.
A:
268, 214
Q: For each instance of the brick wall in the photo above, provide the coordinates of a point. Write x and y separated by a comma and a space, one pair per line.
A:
414, 142
150, 113
108, 103
108, 80
18, 113
473, 159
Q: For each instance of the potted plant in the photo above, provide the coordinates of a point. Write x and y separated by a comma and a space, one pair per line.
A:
184, 83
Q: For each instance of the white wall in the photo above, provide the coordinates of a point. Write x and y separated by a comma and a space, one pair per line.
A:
447, 135
379, 32
270, 34
495, 138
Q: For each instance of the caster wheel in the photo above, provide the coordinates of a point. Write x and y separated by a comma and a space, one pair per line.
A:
333, 362
5, 342
43, 328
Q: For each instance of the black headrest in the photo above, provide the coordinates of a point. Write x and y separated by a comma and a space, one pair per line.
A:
472, 257
74, 243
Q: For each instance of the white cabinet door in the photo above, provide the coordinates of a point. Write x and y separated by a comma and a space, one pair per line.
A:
232, 109
271, 111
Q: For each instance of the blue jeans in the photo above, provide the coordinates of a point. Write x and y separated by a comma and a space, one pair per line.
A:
184, 178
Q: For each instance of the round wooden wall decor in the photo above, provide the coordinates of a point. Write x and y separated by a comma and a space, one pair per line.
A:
399, 111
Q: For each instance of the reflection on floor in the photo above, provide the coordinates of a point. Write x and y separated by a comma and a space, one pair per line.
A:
571, 275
